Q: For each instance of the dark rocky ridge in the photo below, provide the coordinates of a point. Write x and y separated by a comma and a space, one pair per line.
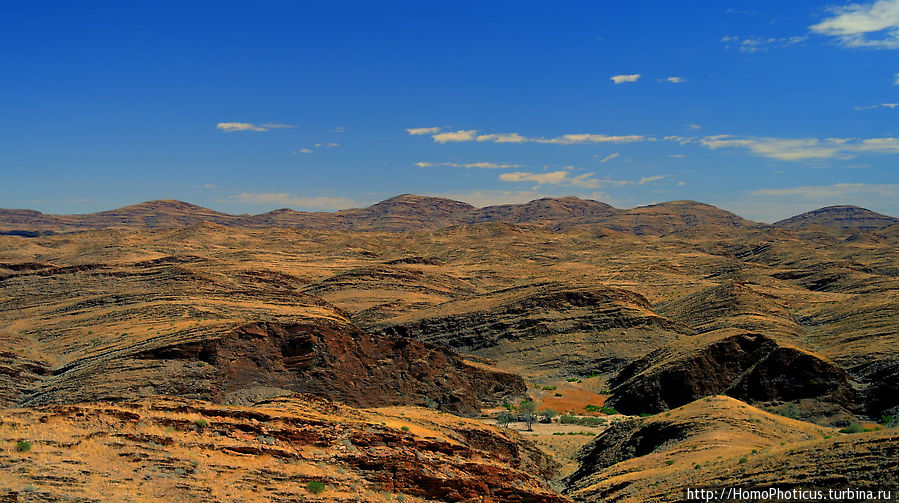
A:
194, 334
751, 367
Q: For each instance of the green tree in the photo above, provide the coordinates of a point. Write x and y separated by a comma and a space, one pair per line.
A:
527, 413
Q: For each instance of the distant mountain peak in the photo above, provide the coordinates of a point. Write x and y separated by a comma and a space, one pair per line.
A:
842, 216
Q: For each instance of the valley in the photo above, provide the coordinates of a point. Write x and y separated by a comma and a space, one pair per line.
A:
164, 348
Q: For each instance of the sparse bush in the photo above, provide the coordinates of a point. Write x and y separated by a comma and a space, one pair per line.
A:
504, 418
201, 423
23, 446
889, 421
558, 394
600, 408
315, 487
405, 428
669, 462
743, 460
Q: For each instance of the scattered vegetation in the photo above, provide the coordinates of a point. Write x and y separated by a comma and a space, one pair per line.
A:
23, 446
201, 423
601, 408
582, 420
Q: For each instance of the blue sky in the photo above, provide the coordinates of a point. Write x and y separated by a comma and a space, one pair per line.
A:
765, 108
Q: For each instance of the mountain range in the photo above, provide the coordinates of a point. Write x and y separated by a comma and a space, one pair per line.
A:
409, 212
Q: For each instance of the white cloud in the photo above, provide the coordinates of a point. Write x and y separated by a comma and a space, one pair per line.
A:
553, 178
896, 82
799, 149
648, 179
609, 157
284, 199
694, 126
564, 178
566, 139
231, 127
882, 105
339, 129
423, 130
873, 25
480, 165
303, 151
570, 139
681, 183
455, 136
675, 80
620, 79
503, 138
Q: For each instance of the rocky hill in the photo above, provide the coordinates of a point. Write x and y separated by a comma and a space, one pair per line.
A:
844, 217
720, 443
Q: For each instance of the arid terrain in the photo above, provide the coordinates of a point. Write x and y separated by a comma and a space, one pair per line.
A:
168, 351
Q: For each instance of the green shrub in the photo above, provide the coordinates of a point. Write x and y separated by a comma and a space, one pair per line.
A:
599, 408
405, 428
201, 423
669, 462
315, 487
549, 388
853, 428
743, 460
23, 446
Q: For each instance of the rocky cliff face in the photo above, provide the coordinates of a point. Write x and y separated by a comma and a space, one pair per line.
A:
166, 327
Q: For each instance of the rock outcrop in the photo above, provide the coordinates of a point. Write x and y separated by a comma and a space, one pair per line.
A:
297, 449
747, 366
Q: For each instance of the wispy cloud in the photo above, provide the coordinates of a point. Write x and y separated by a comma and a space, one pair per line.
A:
315, 147
423, 130
882, 105
773, 204
209, 186
621, 79
291, 200
566, 179
674, 80
799, 149
756, 44
566, 139
871, 25
481, 165
896, 82
231, 127
694, 126
835, 190
648, 179
339, 129
553, 178
609, 157
454, 136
